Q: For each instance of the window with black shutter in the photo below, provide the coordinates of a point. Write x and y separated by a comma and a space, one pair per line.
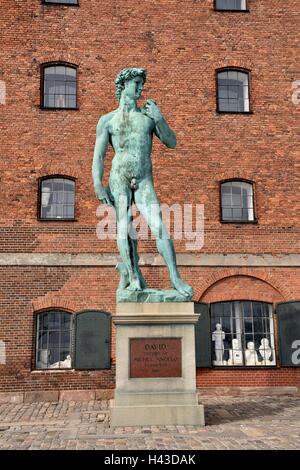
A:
92, 340
202, 335
288, 319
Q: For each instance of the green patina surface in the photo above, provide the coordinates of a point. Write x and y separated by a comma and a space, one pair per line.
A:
130, 130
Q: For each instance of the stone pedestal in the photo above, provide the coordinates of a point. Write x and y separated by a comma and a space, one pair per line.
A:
155, 365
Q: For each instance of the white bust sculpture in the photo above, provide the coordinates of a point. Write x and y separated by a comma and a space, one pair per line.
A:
251, 355
266, 352
235, 354
218, 337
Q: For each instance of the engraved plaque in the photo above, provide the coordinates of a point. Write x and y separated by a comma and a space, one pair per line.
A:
155, 357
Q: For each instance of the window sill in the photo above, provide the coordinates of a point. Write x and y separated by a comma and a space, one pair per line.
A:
219, 10
57, 220
240, 222
60, 371
243, 113
245, 367
46, 4
46, 108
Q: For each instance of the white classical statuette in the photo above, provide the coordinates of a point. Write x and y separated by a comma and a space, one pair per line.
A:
66, 364
251, 357
218, 337
266, 352
235, 354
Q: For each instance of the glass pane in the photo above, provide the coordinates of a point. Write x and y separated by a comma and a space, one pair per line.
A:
53, 321
231, 4
57, 184
71, 73
247, 309
69, 197
71, 101
65, 321
65, 339
69, 212
223, 92
71, 2
69, 185
42, 340
43, 321
237, 214
232, 105
71, 88
232, 77
54, 358
248, 325
54, 339
227, 309
233, 92
49, 71
223, 104
227, 214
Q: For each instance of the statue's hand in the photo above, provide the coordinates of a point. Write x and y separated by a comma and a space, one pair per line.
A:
152, 110
104, 195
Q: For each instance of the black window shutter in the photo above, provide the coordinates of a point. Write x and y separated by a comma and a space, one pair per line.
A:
92, 340
203, 336
288, 318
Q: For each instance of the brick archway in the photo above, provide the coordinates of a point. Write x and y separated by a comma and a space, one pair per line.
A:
269, 290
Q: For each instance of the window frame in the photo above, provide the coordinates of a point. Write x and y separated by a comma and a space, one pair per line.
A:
50, 310
246, 10
43, 67
62, 3
234, 69
277, 364
236, 221
39, 199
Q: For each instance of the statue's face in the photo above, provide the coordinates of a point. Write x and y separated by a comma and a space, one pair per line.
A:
133, 88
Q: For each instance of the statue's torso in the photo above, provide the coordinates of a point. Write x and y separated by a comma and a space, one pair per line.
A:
131, 137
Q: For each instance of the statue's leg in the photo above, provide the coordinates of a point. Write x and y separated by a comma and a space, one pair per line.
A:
133, 242
122, 202
148, 204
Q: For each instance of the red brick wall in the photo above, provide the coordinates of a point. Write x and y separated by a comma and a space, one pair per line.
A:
181, 44
28, 290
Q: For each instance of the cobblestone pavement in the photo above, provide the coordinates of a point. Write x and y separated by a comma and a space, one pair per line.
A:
231, 423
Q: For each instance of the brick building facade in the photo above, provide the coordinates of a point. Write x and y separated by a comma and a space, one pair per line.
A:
49, 265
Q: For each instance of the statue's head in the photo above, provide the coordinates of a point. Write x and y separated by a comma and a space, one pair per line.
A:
131, 79
218, 326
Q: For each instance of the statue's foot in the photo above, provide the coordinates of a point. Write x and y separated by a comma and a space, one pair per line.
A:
182, 287
124, 276
142, 281
135, 284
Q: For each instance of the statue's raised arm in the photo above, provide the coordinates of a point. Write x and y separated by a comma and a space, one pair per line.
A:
161, 127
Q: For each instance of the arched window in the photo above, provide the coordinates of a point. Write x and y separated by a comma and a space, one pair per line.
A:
62, 2
242, 334
53, 347
231, 5
237, 202
59, 86
233, 91
57, 198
